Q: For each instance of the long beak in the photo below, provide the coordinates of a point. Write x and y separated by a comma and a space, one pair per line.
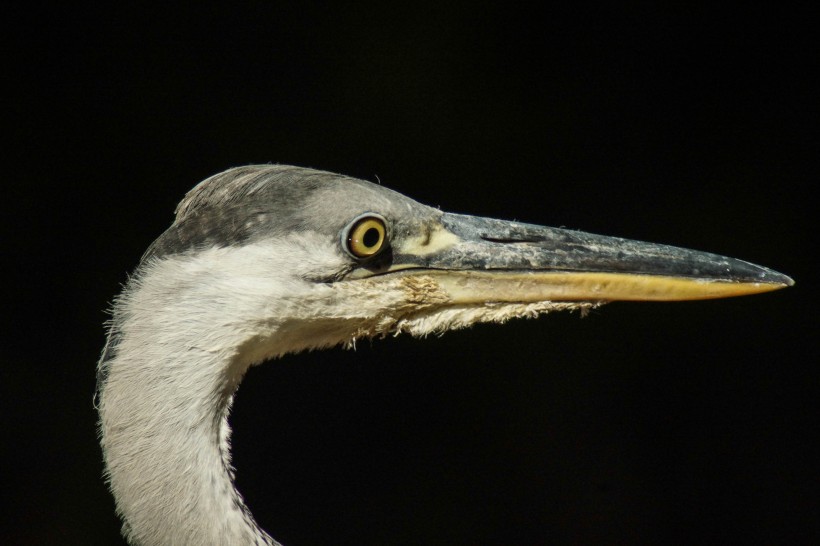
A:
479, 260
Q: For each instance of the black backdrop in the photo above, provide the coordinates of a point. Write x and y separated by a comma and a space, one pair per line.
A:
642, 423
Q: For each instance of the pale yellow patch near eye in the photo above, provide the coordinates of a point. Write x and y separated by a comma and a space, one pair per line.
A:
433, 240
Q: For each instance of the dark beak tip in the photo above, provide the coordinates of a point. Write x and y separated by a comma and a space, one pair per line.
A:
744, 271
775, 278
771, 276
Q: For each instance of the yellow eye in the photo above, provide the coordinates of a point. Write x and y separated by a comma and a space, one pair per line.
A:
366, 236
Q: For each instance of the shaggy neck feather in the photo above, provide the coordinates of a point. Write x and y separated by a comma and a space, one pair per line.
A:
186, 333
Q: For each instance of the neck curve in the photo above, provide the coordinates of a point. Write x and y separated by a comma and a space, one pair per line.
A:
183, 334
167, 452
167, 381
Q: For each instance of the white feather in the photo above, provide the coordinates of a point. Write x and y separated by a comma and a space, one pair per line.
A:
189, 327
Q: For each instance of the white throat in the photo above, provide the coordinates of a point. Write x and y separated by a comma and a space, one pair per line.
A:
164, 408
187, 329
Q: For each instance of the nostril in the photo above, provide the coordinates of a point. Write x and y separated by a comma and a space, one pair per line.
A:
510, 239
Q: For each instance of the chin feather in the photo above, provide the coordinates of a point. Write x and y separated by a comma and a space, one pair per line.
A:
439, 321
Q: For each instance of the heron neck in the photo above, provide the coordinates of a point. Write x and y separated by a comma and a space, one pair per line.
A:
166, 436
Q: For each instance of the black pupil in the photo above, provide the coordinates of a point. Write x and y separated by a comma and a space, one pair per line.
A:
371, 237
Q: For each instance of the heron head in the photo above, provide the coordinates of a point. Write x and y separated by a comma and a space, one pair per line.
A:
266, 260
300, 259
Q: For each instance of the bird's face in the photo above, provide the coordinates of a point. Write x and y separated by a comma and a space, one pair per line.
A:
345, 259
403, 266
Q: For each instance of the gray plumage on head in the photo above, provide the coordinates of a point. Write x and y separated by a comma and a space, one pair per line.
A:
245, 204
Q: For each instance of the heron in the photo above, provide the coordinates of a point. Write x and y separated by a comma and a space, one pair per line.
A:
266, 260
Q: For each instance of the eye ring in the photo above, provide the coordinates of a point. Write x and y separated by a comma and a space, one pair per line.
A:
365, 236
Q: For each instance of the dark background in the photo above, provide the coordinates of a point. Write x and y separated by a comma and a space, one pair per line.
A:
640, 424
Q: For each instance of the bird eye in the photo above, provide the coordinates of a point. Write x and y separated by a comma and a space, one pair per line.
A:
366, 236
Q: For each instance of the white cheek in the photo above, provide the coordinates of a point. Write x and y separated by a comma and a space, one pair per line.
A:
224, 295
297, 255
